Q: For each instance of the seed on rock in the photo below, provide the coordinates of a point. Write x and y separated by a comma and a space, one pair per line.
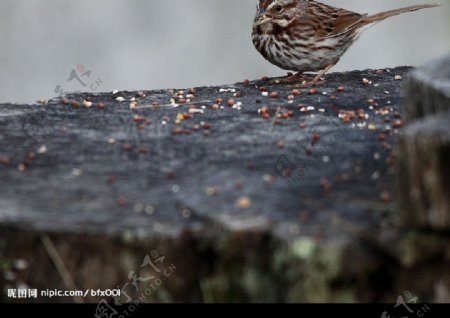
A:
313, 91
101, 106
274, 95
231, 102
127, 147
341, 89
243, 202
121, 201
398, 123
326, 186
171, 175
111, 179
385, 196
296, 92
177, 131
212, 191
5, 161
315, 138
269, 179
87, 104
386, 146
246, 82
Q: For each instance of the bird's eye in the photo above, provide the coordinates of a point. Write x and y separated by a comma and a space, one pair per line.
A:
279, 8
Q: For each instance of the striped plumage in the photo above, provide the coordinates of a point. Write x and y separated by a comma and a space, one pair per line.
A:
309, 36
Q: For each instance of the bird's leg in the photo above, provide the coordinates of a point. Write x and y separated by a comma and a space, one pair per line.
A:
293, 79
320, 75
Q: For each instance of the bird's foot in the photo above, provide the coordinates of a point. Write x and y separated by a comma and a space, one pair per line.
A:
298, 80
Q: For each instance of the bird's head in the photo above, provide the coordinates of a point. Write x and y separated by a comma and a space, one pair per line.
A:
280, 12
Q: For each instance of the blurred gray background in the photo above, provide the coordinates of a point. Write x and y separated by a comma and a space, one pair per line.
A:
143, 44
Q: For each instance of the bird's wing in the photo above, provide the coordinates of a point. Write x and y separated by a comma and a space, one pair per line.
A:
332, 21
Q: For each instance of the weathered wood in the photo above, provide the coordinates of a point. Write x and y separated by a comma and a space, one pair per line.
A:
424, 149
295, 208
428, 90
424, 173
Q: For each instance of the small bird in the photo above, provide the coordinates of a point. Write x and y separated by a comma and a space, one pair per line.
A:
309, 36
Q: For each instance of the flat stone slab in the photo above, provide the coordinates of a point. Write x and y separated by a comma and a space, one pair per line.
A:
283, 170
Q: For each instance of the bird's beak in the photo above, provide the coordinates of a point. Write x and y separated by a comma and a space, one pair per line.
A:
260, 12
262, 16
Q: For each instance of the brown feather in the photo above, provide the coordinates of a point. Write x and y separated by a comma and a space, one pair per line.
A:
384, 15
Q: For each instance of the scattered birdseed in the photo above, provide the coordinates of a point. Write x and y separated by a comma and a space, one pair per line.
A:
281, 145
375, 176
226, 90
120, 99
121, 201
385, 196
397, 77
5, 161
243, 202
269, 179
274, 95
212, 191
77, 172
315, 138
42, 149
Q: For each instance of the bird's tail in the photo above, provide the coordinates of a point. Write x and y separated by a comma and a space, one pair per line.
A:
387, 14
